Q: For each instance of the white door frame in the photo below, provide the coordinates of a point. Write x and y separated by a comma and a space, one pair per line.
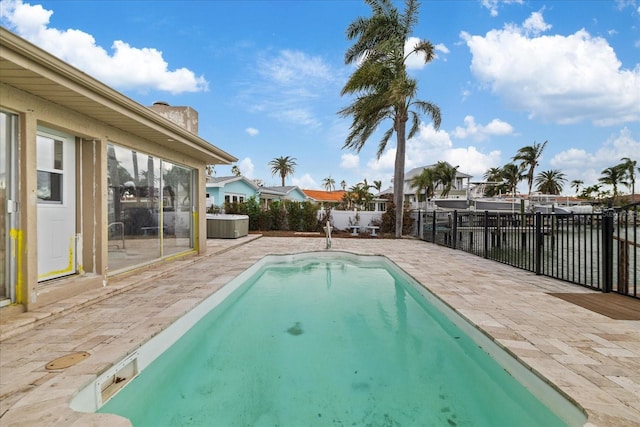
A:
57, 237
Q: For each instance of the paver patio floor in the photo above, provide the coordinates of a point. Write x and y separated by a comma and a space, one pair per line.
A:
591, 358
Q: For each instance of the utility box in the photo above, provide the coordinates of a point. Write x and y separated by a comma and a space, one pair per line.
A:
227, 226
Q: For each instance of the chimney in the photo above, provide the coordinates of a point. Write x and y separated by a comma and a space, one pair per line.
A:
185, 117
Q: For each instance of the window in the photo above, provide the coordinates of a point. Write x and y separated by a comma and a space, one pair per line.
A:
50, 174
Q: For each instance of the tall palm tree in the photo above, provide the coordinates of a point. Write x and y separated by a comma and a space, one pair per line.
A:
329, 183
382, 88
512, 176
377, 185
550, 182
426, 182
446, 175
630, 167
529, 157
283, 166
577, 183
343, 185
613, 176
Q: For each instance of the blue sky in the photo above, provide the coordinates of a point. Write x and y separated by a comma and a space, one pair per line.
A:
265, 78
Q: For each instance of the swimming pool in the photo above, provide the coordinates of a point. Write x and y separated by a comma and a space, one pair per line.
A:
327, 339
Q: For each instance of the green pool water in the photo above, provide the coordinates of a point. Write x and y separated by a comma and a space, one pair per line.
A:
332, 342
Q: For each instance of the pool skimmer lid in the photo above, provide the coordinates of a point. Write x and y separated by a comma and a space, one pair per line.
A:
67, 360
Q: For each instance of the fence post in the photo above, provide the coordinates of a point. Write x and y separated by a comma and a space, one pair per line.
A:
607, 250
454, 230
433, 227
486, 234
538, 242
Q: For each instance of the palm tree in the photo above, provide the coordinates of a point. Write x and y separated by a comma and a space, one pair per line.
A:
630, 167
343, 185
426, 182
329, 183
235, 170
283, 166
588, 192
512, 175
493, 176
613, 176
550, 182
382, 86
377, 185
529, 157
577, 183
360, 194
446, 175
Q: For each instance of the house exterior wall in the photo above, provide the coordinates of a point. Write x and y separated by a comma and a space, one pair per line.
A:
92, 137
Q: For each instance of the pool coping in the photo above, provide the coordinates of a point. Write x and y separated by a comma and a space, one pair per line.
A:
47, 396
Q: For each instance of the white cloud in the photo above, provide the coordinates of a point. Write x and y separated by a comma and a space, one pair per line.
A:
294, 66
479, 132
535, 24
430, 146
306, 181
126, 67
561, 79
493, 5
349, 161
252, 131
288, 85
587, 166
385, 162
246, 167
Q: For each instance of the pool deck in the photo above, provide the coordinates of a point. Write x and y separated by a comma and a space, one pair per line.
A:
592, 359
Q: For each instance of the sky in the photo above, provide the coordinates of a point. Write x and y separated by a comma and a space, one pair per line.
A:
265, 78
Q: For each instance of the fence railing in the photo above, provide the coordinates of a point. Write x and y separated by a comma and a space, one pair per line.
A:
597, 250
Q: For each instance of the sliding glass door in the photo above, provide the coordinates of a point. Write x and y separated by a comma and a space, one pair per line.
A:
150, 204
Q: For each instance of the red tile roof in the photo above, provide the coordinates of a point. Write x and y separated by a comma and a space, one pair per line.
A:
325, 196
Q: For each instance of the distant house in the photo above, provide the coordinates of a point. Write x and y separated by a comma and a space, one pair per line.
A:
459, 190
238, 189
293, 193
94, 184
326, 199
229, 189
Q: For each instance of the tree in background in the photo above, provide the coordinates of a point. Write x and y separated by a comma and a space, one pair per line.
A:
512, 175
377, 185
529, 158
283, 166
382, 88
495, 181
425, 183
629, 167
446, 175
343, 185
359, 195
613, 176
329, 183
235, 170
577, 183
550, 182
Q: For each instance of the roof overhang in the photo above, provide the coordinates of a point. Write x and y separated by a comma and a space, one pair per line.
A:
30, 69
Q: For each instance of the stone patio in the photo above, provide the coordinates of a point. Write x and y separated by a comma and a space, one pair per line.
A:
591, 358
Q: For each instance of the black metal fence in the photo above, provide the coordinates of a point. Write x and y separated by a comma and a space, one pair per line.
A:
597, 250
